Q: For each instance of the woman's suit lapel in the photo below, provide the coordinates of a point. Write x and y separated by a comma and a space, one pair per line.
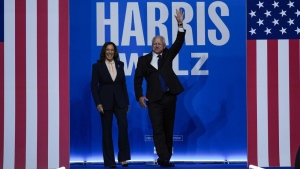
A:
105, 71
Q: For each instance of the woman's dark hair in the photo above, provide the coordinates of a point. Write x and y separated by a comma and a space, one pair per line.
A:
102, 52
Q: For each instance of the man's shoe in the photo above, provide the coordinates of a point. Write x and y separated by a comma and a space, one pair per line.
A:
168, 164
164, 163
113, 166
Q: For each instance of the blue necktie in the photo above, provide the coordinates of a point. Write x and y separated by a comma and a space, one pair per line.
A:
162, 82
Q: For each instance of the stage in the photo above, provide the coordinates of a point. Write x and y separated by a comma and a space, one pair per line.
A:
178, 165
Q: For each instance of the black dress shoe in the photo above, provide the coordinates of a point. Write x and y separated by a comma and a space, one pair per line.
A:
112, 166
164, 163
169, 165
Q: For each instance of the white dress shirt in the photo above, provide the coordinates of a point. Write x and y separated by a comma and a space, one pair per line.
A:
154, 59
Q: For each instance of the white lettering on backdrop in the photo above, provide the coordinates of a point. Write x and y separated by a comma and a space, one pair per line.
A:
133, 28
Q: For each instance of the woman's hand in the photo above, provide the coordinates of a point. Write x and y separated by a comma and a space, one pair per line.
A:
100, 108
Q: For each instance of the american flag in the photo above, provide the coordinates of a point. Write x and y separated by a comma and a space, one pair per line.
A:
34, 84
273, 81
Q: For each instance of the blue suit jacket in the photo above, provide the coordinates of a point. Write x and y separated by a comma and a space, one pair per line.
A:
104, 89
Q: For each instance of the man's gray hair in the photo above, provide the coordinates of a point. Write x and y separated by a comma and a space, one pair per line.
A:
159, 36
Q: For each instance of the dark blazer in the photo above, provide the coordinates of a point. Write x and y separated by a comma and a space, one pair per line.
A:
104, 89
146, 70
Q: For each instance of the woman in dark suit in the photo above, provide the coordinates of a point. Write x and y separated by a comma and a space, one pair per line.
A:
110, 94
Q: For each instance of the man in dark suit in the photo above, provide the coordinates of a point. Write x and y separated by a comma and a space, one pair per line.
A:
163, 86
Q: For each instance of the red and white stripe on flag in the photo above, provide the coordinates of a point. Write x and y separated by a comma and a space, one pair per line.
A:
273, 101
34, 125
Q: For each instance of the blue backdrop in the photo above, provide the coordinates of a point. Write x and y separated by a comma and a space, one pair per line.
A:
210, 120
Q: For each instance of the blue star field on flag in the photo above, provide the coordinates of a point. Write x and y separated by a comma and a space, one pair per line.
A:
273, 19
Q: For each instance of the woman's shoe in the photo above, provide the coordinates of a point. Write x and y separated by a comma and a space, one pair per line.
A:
124, 164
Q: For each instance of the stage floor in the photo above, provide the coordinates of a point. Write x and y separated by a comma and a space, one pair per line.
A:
180, 165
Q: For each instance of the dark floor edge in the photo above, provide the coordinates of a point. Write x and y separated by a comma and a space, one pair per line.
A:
177, 162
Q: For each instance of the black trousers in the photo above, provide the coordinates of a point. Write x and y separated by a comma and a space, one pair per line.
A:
162, 117
297, 160
107, 140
